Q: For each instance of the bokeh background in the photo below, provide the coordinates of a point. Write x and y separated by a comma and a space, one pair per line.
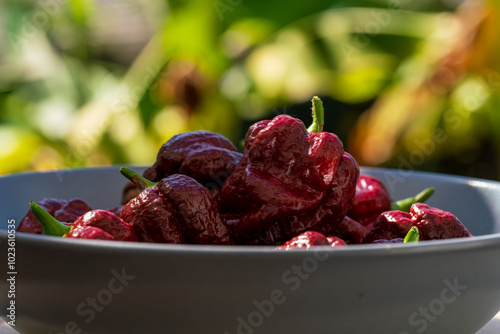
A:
405, 83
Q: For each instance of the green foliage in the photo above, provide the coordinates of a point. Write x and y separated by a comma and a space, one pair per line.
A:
86, 83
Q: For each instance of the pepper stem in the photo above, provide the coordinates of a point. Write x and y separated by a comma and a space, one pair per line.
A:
405, 204
412, 236
318, 114
140, 181
51, 226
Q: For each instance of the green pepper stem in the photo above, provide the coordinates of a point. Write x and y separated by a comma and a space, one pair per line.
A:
412, 236
405, 204
318, 113
51, 226
140, 181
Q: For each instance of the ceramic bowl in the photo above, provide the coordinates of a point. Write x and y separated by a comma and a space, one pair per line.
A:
85, 286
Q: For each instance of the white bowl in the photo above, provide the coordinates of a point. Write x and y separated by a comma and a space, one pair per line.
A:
67, 285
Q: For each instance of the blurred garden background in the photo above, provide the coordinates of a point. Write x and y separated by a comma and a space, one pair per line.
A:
405, 84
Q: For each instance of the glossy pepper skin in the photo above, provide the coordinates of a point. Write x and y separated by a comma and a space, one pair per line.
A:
284, 171
177, 209
90, 232
336, 242
64, 211
310, 239
350, 231
327, 217
94, 224
390, 225
104, 220
372, 198
152, 218
432, 223
205, 156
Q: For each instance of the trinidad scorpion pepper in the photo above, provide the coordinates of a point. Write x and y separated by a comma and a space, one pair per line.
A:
327, 218
95, 224
289, 180
64, 211
177, 209
205, 156
311, 238
432, 224
372, 198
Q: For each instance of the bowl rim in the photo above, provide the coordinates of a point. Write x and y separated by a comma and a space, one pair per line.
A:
431, 246
446, 245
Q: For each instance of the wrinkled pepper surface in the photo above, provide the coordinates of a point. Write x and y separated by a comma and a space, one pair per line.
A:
178, 209
94, 224
432, 223
205, 156
90, 232
64, 211
88, 226
350, 231
325, 218
285, 171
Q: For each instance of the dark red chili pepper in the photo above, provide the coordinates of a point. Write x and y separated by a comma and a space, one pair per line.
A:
328, 215
432, 223
94, 224
106, 221
152, 218
413, 235
336, 242
326, 218
116, 210
350, 231
89, 232
285, 171
205, 156
331, 211
177, 209
390, 225
306, 240
64, 211
210, 166
50, 225
196, 210
310, 239
372, 198
173, 154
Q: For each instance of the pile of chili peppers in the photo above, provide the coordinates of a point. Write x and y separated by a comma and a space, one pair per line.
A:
293, 187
